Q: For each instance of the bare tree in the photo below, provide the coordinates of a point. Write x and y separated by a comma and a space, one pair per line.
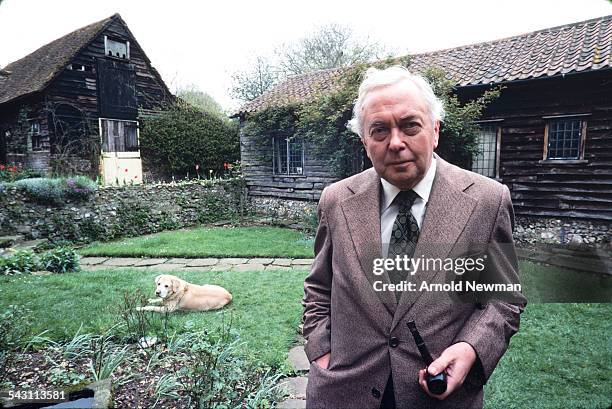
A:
254, 81
329, 46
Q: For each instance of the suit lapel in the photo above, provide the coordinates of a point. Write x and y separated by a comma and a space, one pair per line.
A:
447, 213
362, 214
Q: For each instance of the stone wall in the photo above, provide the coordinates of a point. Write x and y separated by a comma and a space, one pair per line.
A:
122, 211
528, 230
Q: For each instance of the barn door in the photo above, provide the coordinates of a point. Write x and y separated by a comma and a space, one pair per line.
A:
121, 162
117, 97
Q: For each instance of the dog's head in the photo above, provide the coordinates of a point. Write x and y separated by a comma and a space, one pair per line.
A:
167, 285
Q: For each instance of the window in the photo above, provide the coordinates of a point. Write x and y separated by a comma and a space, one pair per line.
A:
34, 136
119, 136
288, 156
564, 139
485, 161
116, 48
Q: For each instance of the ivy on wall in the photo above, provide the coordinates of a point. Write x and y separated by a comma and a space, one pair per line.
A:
322, 122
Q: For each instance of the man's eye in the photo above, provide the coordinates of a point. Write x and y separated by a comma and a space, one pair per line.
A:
411, 128
379, 131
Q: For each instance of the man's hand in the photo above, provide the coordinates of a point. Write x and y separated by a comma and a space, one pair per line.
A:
323, 361
457, 360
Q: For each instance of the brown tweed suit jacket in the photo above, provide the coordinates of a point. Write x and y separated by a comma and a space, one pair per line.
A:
344, 315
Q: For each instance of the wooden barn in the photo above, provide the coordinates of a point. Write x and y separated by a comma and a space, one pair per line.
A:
72, 106
548, 136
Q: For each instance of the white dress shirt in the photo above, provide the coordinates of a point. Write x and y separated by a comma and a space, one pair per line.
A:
389, 210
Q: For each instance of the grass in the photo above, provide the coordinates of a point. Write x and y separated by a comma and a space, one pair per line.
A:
210, 242
265, 311
561, 358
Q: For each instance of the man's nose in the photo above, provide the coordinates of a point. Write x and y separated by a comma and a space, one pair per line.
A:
396, 142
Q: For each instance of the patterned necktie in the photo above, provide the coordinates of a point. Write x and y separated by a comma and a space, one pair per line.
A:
405, 234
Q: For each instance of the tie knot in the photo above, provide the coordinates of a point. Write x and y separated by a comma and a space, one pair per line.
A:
406, 198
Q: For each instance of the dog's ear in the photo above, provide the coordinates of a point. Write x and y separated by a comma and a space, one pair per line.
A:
176, 285
157, 279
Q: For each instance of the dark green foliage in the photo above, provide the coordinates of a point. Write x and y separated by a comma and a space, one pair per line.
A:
13, 327
323, 122
60, 260
21, 262
213, 374
216, 209
133, 219
183, 137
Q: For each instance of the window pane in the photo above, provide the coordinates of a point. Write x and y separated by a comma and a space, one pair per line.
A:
484, 162
119, 136
564, 139
280, 155
295, 156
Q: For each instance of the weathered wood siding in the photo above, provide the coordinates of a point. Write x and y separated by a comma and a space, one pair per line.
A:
555, 189
256, 162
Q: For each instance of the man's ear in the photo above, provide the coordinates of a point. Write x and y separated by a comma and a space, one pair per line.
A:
365, 145
436, 133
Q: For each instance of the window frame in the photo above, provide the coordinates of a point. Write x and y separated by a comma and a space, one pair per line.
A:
117, 40
581, 144
35, 138
497, 124
118, 120
288, 152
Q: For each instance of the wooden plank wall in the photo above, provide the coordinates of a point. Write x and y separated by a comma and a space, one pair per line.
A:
81, 87
582, 191
256, 162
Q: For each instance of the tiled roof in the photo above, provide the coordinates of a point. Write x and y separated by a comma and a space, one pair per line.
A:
33, 72
586, 45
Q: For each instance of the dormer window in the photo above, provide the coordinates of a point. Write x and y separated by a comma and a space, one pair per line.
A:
116, 48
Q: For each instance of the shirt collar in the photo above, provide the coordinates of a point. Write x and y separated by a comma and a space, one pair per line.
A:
423, 188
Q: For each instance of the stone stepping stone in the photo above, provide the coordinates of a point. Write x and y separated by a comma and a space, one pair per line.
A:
234, 260
292, 404
295, 386
92, 261
249, 267
122, 261
179, 261
202, 262
222, 267
298, 359
301, 261
282, 262
150, 262
264, 261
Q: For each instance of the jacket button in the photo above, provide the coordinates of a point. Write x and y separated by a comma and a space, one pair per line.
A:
375, 393
393, 342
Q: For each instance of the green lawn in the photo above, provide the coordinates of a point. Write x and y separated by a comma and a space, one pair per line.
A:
265, 310
210, 242
561, 358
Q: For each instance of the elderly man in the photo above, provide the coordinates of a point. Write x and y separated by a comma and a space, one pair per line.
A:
412, 204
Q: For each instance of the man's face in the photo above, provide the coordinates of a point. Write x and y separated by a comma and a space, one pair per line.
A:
398, 133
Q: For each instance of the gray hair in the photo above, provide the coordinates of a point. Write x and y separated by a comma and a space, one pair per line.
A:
375, 78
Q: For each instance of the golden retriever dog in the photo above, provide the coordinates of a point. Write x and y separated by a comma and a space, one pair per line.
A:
176, 294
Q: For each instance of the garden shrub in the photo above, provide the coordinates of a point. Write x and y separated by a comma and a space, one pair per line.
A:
55, 190
183, 140
11, 173
60, 260
21, 262
43, 190
79, 188
13, 327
